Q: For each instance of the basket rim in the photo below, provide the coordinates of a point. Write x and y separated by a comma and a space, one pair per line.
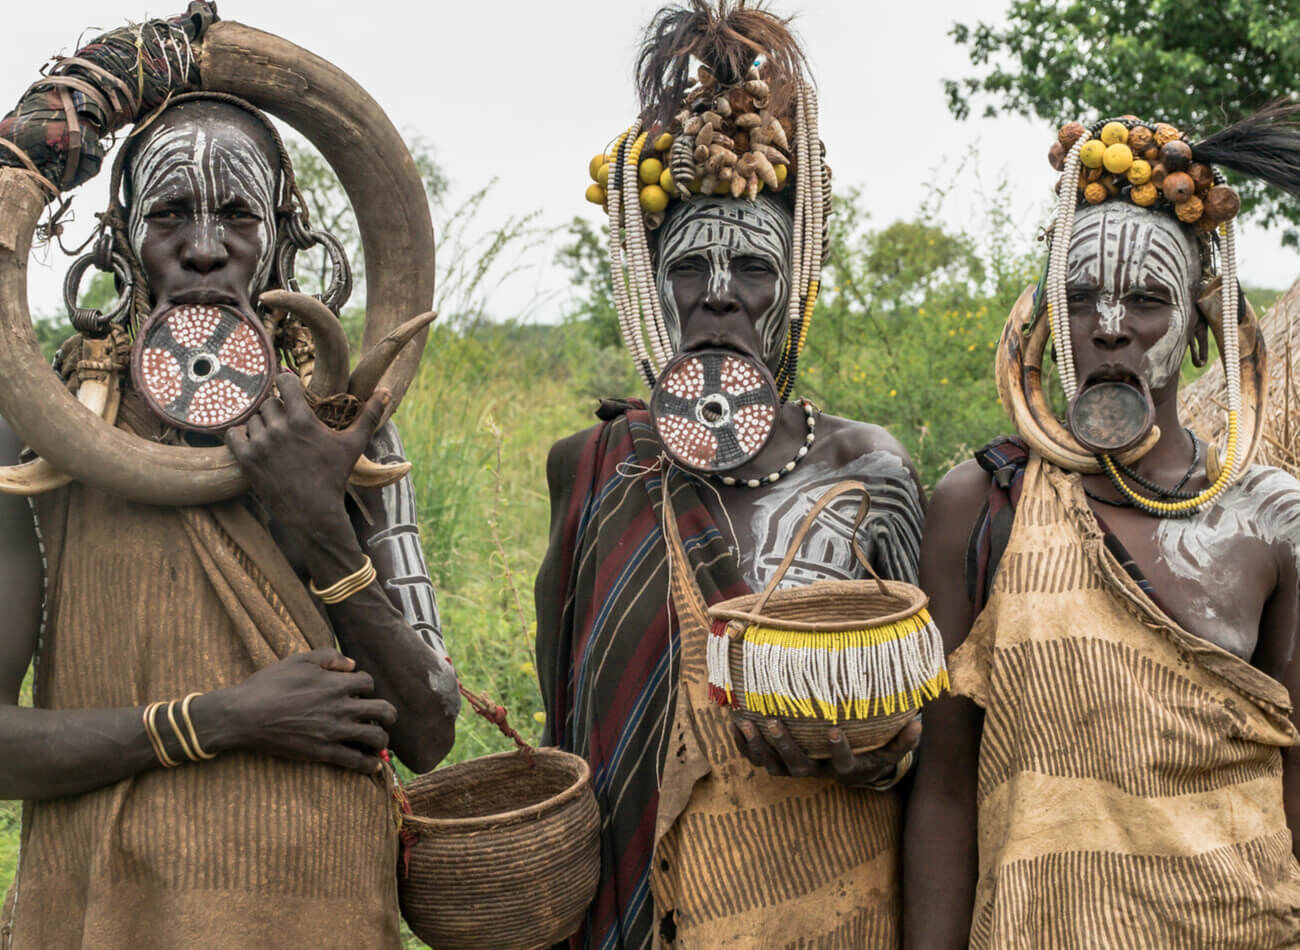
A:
739, 608
578, 767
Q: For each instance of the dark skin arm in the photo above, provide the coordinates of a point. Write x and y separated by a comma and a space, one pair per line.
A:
940, 854
311, 706
298, 468
1276, 655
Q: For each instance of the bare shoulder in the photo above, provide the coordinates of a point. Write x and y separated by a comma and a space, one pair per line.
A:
10, 444
20, 578
853, 439
955, 505
15, 512
1266, 502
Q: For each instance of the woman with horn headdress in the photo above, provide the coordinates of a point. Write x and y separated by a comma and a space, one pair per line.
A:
715, 833
219, 667
1117, 767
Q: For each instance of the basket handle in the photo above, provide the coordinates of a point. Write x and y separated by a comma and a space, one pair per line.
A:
799, 536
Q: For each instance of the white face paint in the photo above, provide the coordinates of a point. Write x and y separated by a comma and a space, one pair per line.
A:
720, 230
890, 537
1262, 508
187, 159
1118, 249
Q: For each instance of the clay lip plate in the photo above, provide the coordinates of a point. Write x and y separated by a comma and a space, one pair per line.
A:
1112, 411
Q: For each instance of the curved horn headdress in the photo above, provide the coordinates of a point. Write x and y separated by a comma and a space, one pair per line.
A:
362, 147
1153, 165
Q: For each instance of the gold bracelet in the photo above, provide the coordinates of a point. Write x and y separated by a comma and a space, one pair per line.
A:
189, 726
180, 737
341, 590
151, 729
900, 770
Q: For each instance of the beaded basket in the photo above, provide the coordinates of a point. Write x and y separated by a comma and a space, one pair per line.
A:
862, 656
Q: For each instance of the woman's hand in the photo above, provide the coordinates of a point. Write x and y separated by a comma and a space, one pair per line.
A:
299, 467
774, 749
312, 706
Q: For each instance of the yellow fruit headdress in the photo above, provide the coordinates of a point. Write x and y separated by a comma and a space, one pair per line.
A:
1155, 165
746, 122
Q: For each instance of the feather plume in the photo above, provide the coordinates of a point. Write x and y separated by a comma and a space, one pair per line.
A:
1265, 145
727, 37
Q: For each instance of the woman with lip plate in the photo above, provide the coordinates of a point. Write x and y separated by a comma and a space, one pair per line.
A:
202, 765
717, 197
1116, 767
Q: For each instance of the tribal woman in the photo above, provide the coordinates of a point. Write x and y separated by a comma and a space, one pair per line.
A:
222, 657
1117, 767
715, 833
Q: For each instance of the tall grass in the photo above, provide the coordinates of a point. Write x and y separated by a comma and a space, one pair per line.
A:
477, 422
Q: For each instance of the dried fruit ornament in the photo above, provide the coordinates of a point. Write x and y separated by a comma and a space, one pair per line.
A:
1155, 166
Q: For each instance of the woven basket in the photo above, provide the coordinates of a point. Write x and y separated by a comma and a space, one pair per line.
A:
507, 855
881, 655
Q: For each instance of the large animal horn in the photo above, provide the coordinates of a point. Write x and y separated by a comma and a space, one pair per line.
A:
100, 396
384, 186
366, 152
370, 370
371, 474
330, 375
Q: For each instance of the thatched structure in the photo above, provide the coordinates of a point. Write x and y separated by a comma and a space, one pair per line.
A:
1203, 407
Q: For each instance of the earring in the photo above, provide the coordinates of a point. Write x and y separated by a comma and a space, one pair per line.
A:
291, 237
1200, 346
90, 321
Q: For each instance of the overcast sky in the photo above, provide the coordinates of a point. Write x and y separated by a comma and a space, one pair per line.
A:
526, 92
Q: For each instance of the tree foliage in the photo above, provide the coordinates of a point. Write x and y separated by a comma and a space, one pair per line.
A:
906, 325
1195, 64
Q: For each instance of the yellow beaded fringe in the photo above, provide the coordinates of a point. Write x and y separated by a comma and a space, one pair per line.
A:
834, 675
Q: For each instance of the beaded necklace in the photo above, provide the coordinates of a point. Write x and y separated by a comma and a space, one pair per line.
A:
1130, 499
810, 417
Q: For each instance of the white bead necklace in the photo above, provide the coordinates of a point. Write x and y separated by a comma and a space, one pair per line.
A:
810, 416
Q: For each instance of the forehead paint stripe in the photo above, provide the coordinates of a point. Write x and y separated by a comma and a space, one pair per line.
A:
214, 171
1118, 248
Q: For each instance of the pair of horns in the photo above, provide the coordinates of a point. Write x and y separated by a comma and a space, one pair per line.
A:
330, 375
1019, 373
102, 396
384, 187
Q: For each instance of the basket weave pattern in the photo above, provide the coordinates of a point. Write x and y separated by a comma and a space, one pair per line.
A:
862, 656
507, 854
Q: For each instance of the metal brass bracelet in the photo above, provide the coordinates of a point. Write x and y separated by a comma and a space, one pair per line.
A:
341, 590
189, 727
900, 770
176, 730
155, 740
